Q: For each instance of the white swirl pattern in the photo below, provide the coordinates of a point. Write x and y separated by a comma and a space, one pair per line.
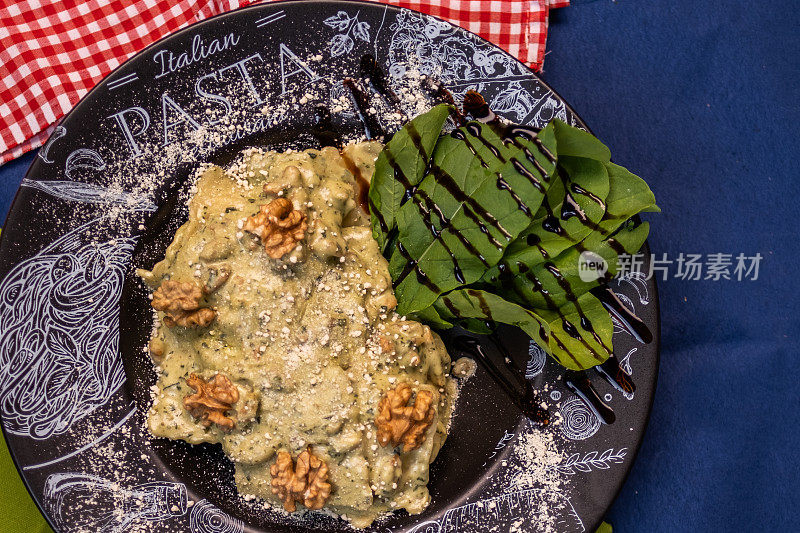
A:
59, 313
578, 422
536, 361
206, 518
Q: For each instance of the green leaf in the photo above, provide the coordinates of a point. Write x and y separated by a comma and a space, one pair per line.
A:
580, 333
550, 234
628, 194
466, 211
432, 318
576, 142
405, 156
604, 528
552, 284
546, 327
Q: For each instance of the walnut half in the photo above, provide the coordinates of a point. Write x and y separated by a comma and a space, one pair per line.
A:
305, 482
279, 226
211, 400
398, 422
180, 301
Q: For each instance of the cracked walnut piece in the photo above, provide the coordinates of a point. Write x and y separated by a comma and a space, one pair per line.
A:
279, 226
211, 400
181, 303
305, 482
399, 422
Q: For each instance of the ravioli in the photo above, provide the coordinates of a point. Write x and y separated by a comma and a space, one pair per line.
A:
307, 343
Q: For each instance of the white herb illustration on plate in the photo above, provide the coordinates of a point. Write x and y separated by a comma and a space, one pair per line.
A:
82, 502
502, 512
206, 518
59, 314
593, 460
578, 422
350, 29
462, 61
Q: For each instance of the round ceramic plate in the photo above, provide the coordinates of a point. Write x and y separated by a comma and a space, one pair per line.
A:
107, 193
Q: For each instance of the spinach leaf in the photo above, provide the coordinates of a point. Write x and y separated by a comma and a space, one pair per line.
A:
481, 229
582, 188
559, 333
551, 284
628, 194
576, 142
404, 157
478, 196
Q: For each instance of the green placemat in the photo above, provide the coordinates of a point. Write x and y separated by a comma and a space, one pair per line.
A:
18, 513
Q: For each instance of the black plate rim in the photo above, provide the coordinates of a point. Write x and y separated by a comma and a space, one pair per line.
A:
104, 81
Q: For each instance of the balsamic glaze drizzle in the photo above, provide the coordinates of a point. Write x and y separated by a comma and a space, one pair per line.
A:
372, 127
626, 318
580, 384
518, 389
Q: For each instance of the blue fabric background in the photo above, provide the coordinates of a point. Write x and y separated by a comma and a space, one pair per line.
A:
701, 99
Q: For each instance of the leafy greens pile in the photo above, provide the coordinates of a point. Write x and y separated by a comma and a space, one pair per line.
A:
480, 226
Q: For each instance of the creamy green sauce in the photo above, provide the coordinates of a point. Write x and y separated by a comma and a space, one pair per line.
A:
299, 336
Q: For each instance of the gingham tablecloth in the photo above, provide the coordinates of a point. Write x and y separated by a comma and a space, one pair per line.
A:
53, 51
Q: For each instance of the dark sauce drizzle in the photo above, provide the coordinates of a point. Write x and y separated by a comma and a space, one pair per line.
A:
518, 389
580, 384
626, 318
422, 278
372, 127
373, 75
502, 184
616, 375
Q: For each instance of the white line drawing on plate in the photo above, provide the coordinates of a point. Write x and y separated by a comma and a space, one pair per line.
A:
59, 314
578, 422
269, 19
538, 357
350, 29
59, 132
603, 461
206, 518
83, 502
83, 158
123, 80
508, 508
625, 362
462, 61
92, 444
502, 443
637, 280
91, 194
287, 57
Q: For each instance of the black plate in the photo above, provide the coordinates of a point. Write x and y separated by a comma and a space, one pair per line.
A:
105, 196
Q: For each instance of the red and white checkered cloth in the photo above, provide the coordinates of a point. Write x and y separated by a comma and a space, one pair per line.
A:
53, 51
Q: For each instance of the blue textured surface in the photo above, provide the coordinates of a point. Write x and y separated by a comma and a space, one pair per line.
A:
701, 99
